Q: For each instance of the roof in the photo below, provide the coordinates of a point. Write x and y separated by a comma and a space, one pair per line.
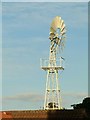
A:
5, 115
45, 114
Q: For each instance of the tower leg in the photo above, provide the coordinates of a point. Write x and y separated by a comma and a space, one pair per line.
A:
52, 93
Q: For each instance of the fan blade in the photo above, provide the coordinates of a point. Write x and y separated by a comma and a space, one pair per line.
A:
56, 23
52, 30
61, 23
63, 32
58, 31
62, 27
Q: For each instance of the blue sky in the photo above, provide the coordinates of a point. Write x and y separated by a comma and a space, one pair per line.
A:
0, 56
44, 0
25, 31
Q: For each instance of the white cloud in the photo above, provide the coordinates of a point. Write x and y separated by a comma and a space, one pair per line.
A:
26, 97
76, 95
36, 98
76, 13
21, 17
0, 104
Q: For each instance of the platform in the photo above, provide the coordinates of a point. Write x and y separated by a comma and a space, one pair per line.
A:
45, 64
53, 67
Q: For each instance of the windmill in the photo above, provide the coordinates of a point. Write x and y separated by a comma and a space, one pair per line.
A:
54, 64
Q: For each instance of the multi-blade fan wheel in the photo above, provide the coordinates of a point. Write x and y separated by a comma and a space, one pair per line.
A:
56, 24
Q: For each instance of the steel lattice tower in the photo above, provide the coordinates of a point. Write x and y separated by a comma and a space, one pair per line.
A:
53, 65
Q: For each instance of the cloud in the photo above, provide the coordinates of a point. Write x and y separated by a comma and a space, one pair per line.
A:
23, 43
76, 95
25, 27
25, 23
26, 97
69, 98
34, 14
34, 97
0, 104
